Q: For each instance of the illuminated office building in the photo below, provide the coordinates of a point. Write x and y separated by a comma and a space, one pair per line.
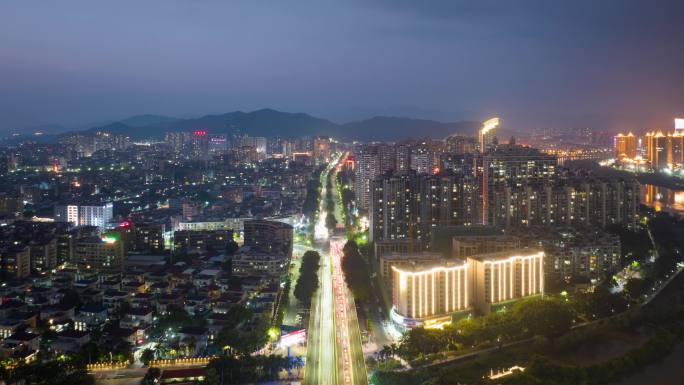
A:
427, 295
85, 215
404, 260
500, 277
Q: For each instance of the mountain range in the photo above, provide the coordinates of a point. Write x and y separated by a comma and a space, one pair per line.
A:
272, 123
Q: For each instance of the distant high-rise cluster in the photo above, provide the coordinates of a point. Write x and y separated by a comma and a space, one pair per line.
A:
442, 214
509, 186
655, 150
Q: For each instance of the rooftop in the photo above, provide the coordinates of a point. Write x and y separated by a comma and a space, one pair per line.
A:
503, 255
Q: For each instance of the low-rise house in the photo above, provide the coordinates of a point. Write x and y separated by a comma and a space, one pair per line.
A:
56, 312
70, 341
8, 327
196, 305
23, 338
141, 300
113, 299
194, 339
136, 318
90, 316
91, 295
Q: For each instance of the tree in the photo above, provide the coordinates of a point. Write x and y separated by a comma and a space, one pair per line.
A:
420, 341
147, 355
330, 221
246, 369
151, 377
51, 372
243, 332
231, 247
307, 283
356, 271
601, 303
544, 316
636, 288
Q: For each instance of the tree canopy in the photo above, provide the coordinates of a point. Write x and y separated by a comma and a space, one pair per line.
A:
308, 280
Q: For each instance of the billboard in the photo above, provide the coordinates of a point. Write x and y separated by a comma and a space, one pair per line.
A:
679, 123
292, 338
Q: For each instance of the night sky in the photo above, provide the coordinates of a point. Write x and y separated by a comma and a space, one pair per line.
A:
604, 64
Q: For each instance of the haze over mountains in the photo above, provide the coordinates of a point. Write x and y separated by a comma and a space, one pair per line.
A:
272, 123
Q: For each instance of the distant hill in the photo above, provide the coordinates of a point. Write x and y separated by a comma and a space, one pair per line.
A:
271, 123
147, 120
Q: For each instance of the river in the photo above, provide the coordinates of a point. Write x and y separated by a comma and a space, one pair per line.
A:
666, 372
663, 199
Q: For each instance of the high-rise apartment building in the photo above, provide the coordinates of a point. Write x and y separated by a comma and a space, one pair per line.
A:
422, 161
511, 166
581, 201
411, 205
625, 146
403, 157
321, 150
461, 144
675, 153
85, 215
657, 150
487, 134
15, 262
367, 169
102, 254
269, 236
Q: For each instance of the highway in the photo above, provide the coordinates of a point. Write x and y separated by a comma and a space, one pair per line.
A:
351, 365
334, 352
321, 365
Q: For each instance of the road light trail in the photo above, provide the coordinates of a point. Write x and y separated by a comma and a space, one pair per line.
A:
352, 366
321, 356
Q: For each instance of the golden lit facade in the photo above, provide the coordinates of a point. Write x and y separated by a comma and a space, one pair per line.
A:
675, 150
657, 149
426, 295
625, 146
505, 276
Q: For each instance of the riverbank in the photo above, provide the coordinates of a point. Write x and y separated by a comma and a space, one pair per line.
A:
667, 372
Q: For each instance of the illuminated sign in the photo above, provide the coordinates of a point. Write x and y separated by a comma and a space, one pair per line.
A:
292, 338
200, 133
679, 123
489, 125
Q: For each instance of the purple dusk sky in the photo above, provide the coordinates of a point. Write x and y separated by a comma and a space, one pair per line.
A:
609, 64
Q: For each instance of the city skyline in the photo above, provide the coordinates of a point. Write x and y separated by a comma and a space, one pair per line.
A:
320, 192
441, 60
